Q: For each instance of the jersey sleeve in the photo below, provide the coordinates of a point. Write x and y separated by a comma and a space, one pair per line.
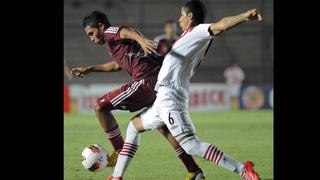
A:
113, 33
202, 30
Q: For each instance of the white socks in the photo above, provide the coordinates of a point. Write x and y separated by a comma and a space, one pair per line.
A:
130, 147
210, 152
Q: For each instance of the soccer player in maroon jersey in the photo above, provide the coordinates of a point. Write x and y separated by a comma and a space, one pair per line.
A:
131, 52
166, 40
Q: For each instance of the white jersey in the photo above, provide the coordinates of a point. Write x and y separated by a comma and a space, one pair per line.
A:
234, 75
181, 62
171, 105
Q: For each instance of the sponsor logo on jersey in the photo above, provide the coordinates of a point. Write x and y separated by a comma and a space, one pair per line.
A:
173, 127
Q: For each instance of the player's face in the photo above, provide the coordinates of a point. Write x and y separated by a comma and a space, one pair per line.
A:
183, 20
170, 29
95, 35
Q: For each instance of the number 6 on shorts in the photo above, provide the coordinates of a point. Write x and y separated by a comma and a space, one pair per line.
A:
175, 123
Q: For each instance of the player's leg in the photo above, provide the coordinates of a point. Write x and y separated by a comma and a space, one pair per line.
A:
130, 146
187, 160
103, 109
104, 106
193, 146
144, 95
182, 128
110, 126
111, 129
116, 99
137, 125
132, 143
210, 152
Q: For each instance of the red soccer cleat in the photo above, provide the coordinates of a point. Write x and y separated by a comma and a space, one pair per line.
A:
114, 178
248, 173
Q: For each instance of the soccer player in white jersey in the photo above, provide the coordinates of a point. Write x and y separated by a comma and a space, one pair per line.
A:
171, 105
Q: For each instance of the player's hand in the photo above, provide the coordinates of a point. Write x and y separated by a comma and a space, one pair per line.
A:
253, 14
147, 45
79, 71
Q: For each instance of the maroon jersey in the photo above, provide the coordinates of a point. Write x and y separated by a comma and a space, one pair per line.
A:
129, 55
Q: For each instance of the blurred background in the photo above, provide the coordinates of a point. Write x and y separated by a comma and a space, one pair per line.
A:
250, 46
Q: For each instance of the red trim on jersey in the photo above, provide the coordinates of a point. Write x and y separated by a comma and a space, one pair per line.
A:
184, 33
190, 28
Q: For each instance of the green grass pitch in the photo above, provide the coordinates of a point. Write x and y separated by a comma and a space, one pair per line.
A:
244, 135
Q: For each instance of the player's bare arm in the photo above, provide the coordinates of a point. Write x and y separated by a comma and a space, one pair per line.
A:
232, 21
147, 45
110, 66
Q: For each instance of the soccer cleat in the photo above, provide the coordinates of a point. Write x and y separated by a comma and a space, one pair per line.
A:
114, 178
248, 173
198, 175
112, 160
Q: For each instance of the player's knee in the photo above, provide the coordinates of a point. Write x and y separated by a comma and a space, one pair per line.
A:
164, 130
97, 107
105, 106
137, 123
132, 134
191, 146
131, 129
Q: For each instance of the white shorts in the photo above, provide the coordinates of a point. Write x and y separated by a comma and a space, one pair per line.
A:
170, 109
234, 90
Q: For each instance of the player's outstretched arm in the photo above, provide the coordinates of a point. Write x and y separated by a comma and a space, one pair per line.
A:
147, 45
111, 66
232, 21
